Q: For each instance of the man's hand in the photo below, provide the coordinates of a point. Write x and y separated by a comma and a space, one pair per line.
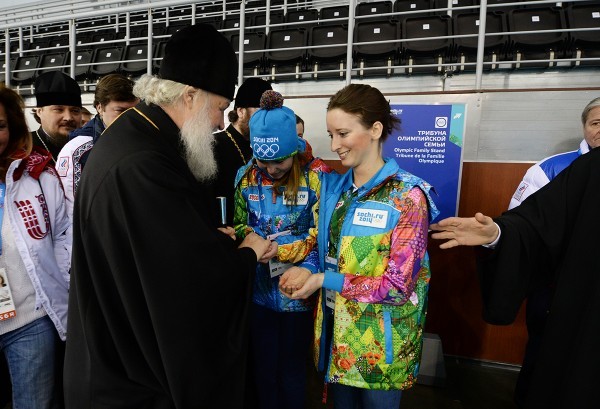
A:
271, 252
230, 231
256, 243
465, 231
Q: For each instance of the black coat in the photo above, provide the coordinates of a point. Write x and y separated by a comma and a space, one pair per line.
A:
159, 297
558, 225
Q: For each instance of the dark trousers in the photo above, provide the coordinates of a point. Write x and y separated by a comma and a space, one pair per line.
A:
280, 344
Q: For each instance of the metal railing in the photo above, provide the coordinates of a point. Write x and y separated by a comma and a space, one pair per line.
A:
31, 23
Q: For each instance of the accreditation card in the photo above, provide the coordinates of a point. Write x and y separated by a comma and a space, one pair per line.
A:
7, 305
276, 267
330, 266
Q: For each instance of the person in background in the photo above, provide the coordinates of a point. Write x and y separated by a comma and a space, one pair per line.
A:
539, 300
232, 146
545, 170
299, 126
556, 226
113, 96
34, 261
277, 196
58, 102
149, 326
373, 262
86, 116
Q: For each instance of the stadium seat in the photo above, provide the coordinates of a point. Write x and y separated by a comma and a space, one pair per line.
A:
375, 55
499, 5
260, 20
24, 71
330, 58
309, 17
102, 36
286, 61
83, 38
176, 25
83, 57
233, 22
537, 46
180, 12
373, 9
159, 53
106, 60
439, 4
52, 61
12, 63
38, 44
413, 8
133, 52
253, 61
466, 48
140, 16
204, 9
435, 51
59, 41
585, 44
251, 5
214, 21
333, 12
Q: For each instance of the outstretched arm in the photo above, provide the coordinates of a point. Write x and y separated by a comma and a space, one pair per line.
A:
465, 231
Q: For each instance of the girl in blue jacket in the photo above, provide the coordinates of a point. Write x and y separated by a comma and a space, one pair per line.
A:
277, 196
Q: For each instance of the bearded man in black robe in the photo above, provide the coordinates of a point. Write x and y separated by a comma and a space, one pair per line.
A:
158, 298
558, 224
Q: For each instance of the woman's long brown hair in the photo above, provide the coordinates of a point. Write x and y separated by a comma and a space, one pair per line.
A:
19, 140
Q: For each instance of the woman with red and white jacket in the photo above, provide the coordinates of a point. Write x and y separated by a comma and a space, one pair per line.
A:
35, 254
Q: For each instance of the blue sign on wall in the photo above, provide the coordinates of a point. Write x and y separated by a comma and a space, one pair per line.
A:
429, 144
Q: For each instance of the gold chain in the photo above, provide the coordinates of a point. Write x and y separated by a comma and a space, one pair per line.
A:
45, 146
237, 147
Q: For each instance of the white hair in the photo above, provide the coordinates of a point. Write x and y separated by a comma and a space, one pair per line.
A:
158, 91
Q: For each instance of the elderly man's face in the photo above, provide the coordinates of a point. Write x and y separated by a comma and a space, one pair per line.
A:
591, 129
214, 107
58, 120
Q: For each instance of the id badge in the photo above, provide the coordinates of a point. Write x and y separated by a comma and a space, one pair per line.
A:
7, 305
277, 268
330, 265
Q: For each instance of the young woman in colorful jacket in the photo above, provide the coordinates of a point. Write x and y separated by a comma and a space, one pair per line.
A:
277, 196
373, 263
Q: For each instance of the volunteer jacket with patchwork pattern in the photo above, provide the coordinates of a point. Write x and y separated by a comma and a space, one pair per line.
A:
381, 278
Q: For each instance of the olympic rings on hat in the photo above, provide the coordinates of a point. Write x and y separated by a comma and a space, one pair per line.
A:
265, 151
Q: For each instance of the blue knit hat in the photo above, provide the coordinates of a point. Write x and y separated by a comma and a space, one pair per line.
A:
273, 134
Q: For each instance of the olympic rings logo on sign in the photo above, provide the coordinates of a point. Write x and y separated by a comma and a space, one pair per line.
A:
266, 151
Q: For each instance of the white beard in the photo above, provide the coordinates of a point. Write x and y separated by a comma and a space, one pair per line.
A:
198, 141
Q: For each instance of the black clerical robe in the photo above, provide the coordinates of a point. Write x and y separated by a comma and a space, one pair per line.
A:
41, 139
159, 297
558, 225
230, 154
